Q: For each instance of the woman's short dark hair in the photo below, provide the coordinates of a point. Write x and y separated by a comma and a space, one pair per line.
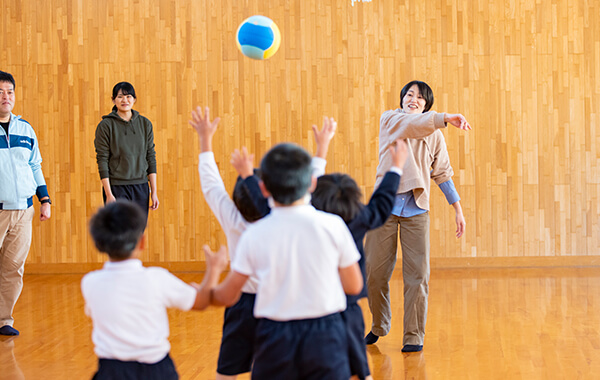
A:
117, 228
425, 91
286, 172
338, 194
126, 89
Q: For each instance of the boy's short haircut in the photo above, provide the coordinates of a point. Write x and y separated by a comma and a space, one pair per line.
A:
338, 194
7, 77
286, 172
243, 200
117, 228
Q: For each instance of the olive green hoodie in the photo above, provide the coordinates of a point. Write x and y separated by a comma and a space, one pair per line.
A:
125, 149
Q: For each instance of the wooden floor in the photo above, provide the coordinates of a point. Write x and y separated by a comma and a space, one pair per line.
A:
483, 324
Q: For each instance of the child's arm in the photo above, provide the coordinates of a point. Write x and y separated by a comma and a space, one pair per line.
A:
324, 136
243, 164
211, 182
228, 292
352, 279
204, 127
381, 203
215, 265
322, 139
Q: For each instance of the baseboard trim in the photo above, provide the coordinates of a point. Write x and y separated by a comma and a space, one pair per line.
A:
80, 268
436, 263
514, 262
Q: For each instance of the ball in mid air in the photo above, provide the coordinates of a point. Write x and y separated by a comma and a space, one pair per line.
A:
258, 37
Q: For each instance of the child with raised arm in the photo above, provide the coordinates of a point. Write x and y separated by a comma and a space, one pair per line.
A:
128, 302
339, 194
304, 261
237, 343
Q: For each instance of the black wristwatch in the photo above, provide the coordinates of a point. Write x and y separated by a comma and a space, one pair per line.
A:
47, 200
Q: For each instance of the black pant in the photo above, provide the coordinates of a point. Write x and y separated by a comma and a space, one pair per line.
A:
139, 194
111, 369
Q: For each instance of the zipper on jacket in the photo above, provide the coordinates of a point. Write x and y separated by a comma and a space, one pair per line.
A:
12, 124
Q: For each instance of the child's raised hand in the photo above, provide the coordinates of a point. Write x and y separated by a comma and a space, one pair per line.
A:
215, 261
399, 152
204, 127
324, 136
243, 162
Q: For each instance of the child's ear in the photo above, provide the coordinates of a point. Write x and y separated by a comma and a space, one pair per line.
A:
263, 189
313, 184
141, 245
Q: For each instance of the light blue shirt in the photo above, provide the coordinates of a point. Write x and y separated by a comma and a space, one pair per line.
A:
405, 205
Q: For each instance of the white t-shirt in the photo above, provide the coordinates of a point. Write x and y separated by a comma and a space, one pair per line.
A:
295, 253
229, 217
128, 306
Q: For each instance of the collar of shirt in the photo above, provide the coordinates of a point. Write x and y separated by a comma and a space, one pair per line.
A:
128, 264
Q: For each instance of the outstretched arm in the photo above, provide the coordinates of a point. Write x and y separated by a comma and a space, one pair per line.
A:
215, 265
457, 120
242, 161
324, 136
204, 127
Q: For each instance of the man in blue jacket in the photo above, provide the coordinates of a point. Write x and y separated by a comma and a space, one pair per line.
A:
21, 177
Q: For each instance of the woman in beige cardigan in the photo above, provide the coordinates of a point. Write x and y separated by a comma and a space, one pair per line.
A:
427, 158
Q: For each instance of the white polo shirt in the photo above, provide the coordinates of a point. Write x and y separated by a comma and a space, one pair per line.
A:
229, 217
295, 253
128, 306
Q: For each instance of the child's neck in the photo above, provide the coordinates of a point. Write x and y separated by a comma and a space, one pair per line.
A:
300, 202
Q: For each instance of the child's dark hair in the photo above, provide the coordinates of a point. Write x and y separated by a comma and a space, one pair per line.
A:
126, 89
243, 200
286, 172
425, 91
338, 194
117, 228
7, 77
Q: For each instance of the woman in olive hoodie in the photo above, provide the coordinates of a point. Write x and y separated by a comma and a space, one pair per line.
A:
125, 152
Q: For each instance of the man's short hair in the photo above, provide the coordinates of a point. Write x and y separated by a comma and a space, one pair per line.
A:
338, 194
286, 172
117, 228
7, 77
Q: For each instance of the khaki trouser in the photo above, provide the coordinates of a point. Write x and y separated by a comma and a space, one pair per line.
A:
15, 240
380, 251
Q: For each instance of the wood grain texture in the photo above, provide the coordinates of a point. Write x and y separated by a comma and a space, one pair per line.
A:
525, 73
540, 323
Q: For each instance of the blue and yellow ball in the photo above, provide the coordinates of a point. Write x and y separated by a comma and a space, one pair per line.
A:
258, 37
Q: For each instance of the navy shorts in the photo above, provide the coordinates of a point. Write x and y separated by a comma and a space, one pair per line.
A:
237, 344
308, 349
357, 351
112, 369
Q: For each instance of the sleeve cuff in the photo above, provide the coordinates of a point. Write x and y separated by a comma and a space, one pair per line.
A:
206, 156
449, 191
318, 164
396, 170
438, 120
42, 191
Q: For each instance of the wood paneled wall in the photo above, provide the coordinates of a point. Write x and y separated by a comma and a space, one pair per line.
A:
525, 73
